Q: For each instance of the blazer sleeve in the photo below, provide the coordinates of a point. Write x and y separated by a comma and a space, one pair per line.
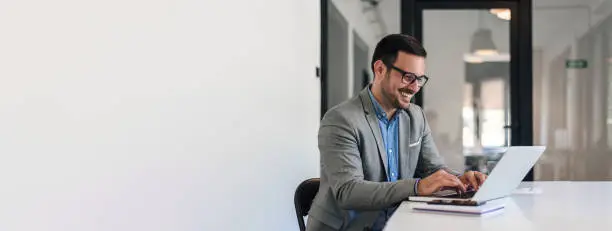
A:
341, 163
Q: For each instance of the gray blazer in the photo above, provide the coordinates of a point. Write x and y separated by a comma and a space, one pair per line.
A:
354, 164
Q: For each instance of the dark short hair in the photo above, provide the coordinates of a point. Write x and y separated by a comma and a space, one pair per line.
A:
388, 48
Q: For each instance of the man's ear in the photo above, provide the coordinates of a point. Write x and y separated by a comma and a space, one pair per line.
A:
379, 68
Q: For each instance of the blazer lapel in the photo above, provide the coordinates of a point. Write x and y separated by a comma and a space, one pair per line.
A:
368, 107
404, 139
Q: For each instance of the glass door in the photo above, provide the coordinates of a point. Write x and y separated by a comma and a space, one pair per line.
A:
477, 98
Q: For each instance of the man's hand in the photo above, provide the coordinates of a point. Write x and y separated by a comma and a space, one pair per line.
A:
473, 178
435, 182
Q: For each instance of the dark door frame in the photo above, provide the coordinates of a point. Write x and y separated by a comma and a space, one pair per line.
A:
322, 71
521, 80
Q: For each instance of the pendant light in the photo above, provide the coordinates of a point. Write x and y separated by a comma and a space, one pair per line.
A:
482, 40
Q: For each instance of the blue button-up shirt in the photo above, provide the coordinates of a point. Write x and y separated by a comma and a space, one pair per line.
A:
390, 134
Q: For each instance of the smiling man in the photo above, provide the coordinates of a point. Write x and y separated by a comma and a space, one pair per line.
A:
377, 149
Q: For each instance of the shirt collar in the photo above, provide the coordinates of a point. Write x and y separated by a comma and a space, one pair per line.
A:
380, 113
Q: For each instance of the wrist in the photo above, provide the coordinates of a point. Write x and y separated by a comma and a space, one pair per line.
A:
416, 186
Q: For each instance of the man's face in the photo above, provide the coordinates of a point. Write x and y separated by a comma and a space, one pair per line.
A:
396, 91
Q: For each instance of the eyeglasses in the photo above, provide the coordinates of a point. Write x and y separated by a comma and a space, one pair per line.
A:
409, 77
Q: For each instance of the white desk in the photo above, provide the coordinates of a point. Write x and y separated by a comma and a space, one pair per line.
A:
560, 206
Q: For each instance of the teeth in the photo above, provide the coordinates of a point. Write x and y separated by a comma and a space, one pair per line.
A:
405, 94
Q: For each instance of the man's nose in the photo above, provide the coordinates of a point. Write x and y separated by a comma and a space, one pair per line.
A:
414, 85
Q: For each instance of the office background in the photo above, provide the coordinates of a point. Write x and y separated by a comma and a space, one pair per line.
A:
468, 100
203, 115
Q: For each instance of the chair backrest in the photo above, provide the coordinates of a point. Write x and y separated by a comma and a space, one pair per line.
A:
304, 194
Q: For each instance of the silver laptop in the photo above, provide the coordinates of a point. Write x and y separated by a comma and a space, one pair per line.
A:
503, 180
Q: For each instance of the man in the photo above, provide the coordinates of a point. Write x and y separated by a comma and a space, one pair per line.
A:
377, 149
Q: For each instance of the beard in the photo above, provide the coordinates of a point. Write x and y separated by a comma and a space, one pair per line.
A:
393, 95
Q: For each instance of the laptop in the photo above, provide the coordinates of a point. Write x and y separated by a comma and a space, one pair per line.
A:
503, 180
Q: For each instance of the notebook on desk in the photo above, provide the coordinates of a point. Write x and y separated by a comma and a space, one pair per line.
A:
471, 210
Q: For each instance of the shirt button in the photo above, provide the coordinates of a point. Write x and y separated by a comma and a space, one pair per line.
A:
390, 150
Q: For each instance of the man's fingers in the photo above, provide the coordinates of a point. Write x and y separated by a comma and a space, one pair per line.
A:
472, 179
481, 178
460, 184
455, 183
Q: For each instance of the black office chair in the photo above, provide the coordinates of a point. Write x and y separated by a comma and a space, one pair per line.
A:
304, 194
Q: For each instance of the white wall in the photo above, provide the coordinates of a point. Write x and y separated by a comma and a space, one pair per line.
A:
390, 13
156, 115
358, 20
370, 28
